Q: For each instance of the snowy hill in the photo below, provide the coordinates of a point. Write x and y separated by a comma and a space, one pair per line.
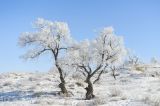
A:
132, 88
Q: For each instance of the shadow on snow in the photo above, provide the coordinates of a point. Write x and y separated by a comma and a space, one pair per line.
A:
23, 95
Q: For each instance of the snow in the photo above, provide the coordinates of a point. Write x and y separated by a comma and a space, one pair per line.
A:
132, 88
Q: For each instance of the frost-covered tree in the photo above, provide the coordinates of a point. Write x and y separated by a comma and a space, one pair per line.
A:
91, 57
154, 60
134, 60
50, 37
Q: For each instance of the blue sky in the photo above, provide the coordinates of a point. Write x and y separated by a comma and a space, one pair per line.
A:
137, 20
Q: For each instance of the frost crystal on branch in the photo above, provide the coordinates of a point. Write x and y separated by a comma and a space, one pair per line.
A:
49, 35
107, 48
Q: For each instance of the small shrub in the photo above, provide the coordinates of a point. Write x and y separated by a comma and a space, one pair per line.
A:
71, 86
44, 102
142, 69
115, 91
153, 100
32, 79
77, 76
123, 97
99, 101
7, 84
38, 94
146, 99
79, 84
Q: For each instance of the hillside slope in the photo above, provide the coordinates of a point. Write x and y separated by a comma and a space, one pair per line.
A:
132, 88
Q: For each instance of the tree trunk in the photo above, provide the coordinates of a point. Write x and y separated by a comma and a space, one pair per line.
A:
89, 89
63, 88
62, 84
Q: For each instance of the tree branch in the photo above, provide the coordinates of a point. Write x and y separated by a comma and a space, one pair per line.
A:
39, 53
62, 48
90, 70
96, 70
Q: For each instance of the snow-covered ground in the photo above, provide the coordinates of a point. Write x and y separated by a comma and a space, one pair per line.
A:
132, 88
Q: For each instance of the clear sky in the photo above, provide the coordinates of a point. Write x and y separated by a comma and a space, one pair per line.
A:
137, 20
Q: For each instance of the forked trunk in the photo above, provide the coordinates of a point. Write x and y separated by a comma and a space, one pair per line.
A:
89, 89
